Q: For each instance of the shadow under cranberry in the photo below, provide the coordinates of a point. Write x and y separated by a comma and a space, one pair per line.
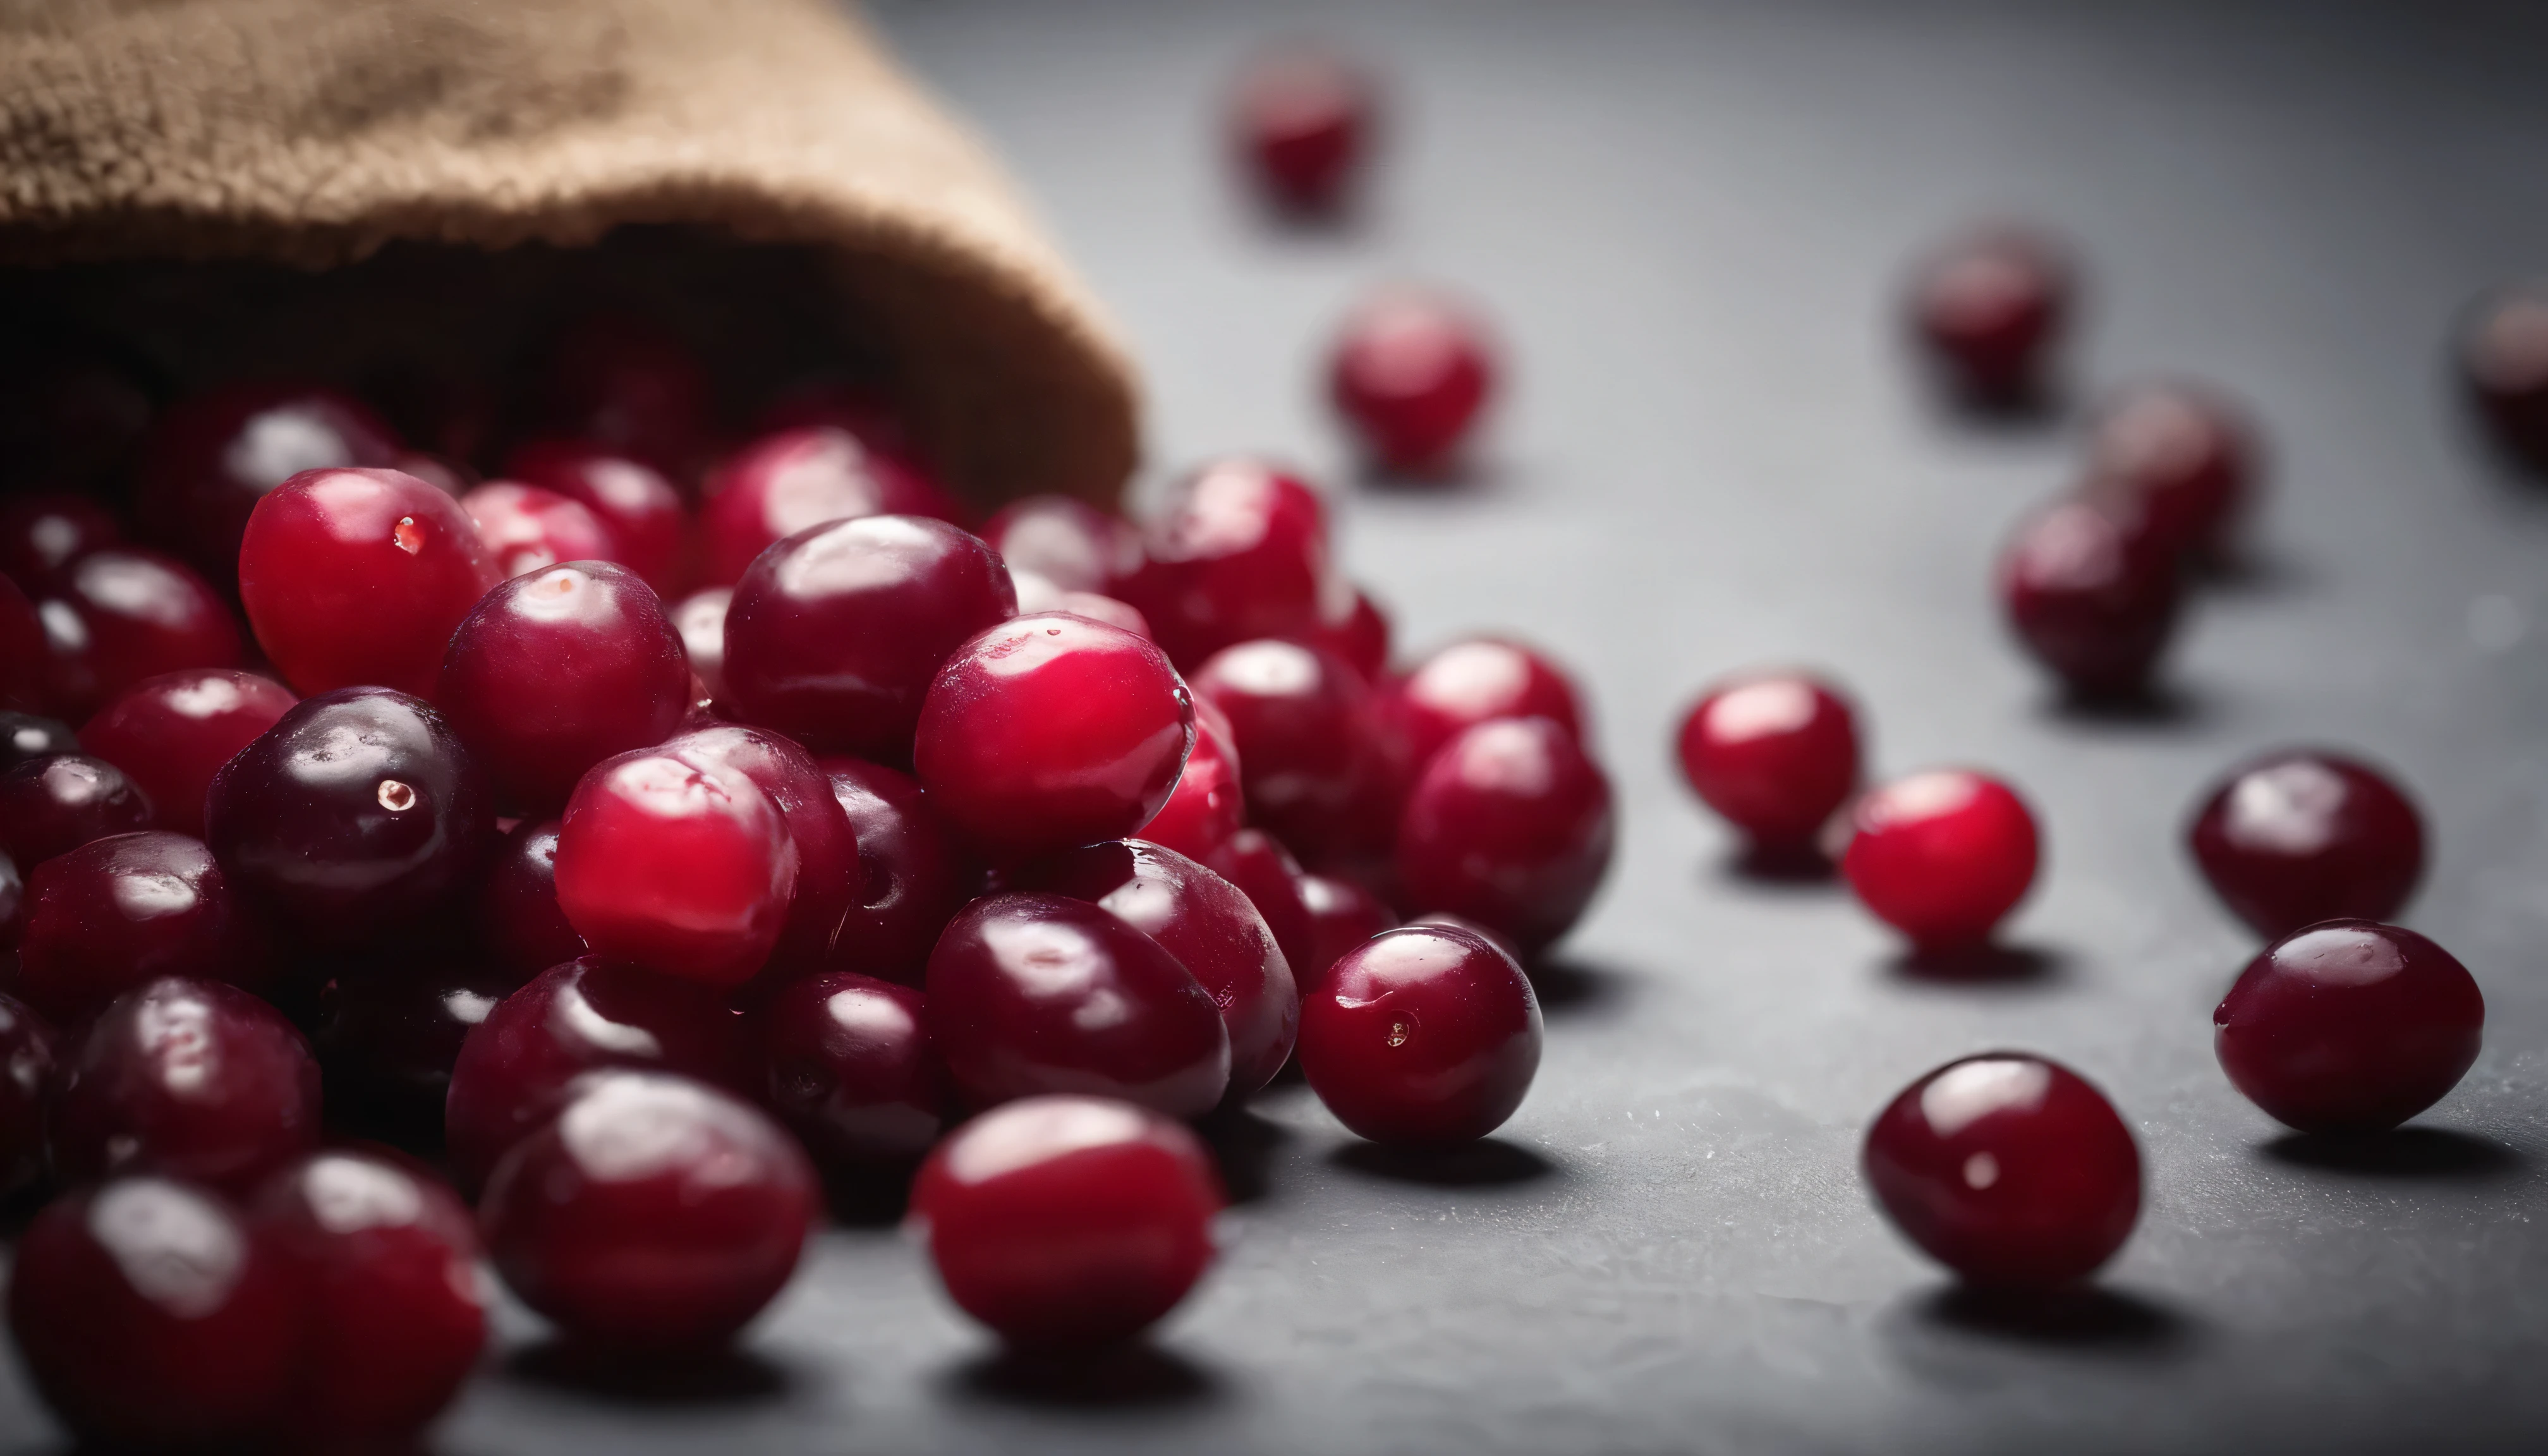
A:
1989, 965
1243, 1144
1488, 1163
2438, 1154
1130, 1376
2083, 1316
724, 1377
2035, 408
869, 1195
2158, 705
1567, 986
1779, 866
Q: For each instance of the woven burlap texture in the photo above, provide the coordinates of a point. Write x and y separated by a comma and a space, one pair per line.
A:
314, 132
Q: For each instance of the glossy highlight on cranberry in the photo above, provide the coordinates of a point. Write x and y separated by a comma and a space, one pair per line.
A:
1241, 552
1477, 679
118, 912
42, 534
524, 527
212, 459
1988, 308
29, 1049
2349, 1026
852, 1070
632, 500
1775, 752
2092, 592
2304, 835
55, 804
193, 1079
2182, 459
1423, 1035
126, 613
679, 867
1302, 117
1411, 372
1942, 856
170, 734
912, 875
1511, 826
2008, 1168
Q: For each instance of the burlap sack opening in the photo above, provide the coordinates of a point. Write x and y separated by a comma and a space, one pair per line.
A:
469, 174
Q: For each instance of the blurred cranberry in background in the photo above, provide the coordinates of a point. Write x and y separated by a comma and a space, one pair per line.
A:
864, 410
1303, 118
1066, 541
2092, 593
2304, 835
58, 804
2181, 459
1361, 637
783, 484
25, 736
525, 527
1473, 681
73, 413
1409, 373
627, 383
170, 734
453, 412
118, 912
194, 1079
1239, 552
912, 875
40, 536
1508, 824
852, 1069
1988, 308
2504, 355
1775, 752
635, 501
124, 614
214, 456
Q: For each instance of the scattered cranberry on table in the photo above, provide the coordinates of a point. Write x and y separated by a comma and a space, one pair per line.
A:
1775, 752
1239, 552
123, 911
1302, 117
1207, 804
2092, 592
213, 457
678, 866
1942, 856
170, 734
2008, 1168
2181, 459
1410, 373
524, 527
1509, 825
1069, 1221
194, 1079
1989, 308
912, 875
1342, 915
1423, 1035
2302, 836
648, 525
52, 805
2349, 1027
852, 1070
2504, 354
1476, 680
29, 1049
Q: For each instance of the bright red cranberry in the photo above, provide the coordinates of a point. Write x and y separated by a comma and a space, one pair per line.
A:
1511, 826
1045, 732
700, 619
642, 511
120, 912
213, 457
1307, 737
1473, 681
25, 655
1033, 993
1206, 806
628, 384
1410, 374
2092, 593
679, 867
852, 1070
1069, 1221
1270, 878
25, 736
828, 880
2349, 1027
27, 1052
1988, 308
524, 527
170, 734
1361, 637
1942, 856
1342, 915
1066, 541
1774, 752
2504, 354
1421, 1034
194, 1079
912, 875
1303, 118
150, 1314
654, 1213
358, 809
835, 634
140, 614
517, 904
358, 577
2180, 459
2007, 1168
1210, 926
389, 1028
2302, 836
1241, 552
555, 671
52, 805
789, 482
42, 536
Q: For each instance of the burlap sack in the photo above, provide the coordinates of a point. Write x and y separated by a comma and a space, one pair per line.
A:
772, 134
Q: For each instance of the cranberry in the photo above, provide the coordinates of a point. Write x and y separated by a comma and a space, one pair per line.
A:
27, 1057
835, 633
25, 736
388, 1028
1035, 992
1942, 856
42, 536
789, 482
1308, 738
212, 459
1511, 826
124, 910
2180, 458
1471, 681
852, 1070
632, 500
628, 384
517, 904
1410, 374
357, 809
358, 577
1302, 117
1045, 732
2505, 355
654, 1213
844, 404
151, 1315
1241, 552
1423, 1035
1270, 878
1988, 308
1206, 806
524, 527
827, 852
912, 877
384, 1258
1066, 541
1069, 1221
680, 866
2092, 593
52, 805
2349, 1027
2007, 1168
700, 619
583, 1016
555, 671
2302, 836
139, 615
25, 655
170, 734
13, 903
1342, 915
1361, 638
1775, 752
194, 1079
1213, 929
1037, 594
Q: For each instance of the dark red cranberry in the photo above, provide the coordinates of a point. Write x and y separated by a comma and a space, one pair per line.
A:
213, 458
1307, 737
2302, 836
1045, 732
828, 880
851, 1069
120, 912
384, 1258
700, 619
555, 671
682, 868
1988, 308
390, 1026
1240, 553
789, 482
170, 734
1206, 806
2349, 1027
2180, 459
1033, 993
583, 1016
1069, 1221
1511, 826
2092, 593
51, 806
864, 410
912, 876
140, 614
2007, 1168
835, 634
1342, 915
1066, 541
1361, 637
193, 1079
1942, 856
644, 515
42, 536
628, 384
654, 1213
150, 1314
517, 904
524, 527
1410, 374
1303, 117
25, 736
1774, 752
358, 577
1270, 878
1210, 927
13, 903
2503, 353
357, 809
1473, 681
1421, 1034
25, 655
27, 1052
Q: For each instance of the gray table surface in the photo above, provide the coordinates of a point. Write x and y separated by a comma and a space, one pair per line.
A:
1690, 222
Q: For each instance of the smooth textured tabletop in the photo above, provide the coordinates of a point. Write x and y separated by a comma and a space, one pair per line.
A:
1690, 222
